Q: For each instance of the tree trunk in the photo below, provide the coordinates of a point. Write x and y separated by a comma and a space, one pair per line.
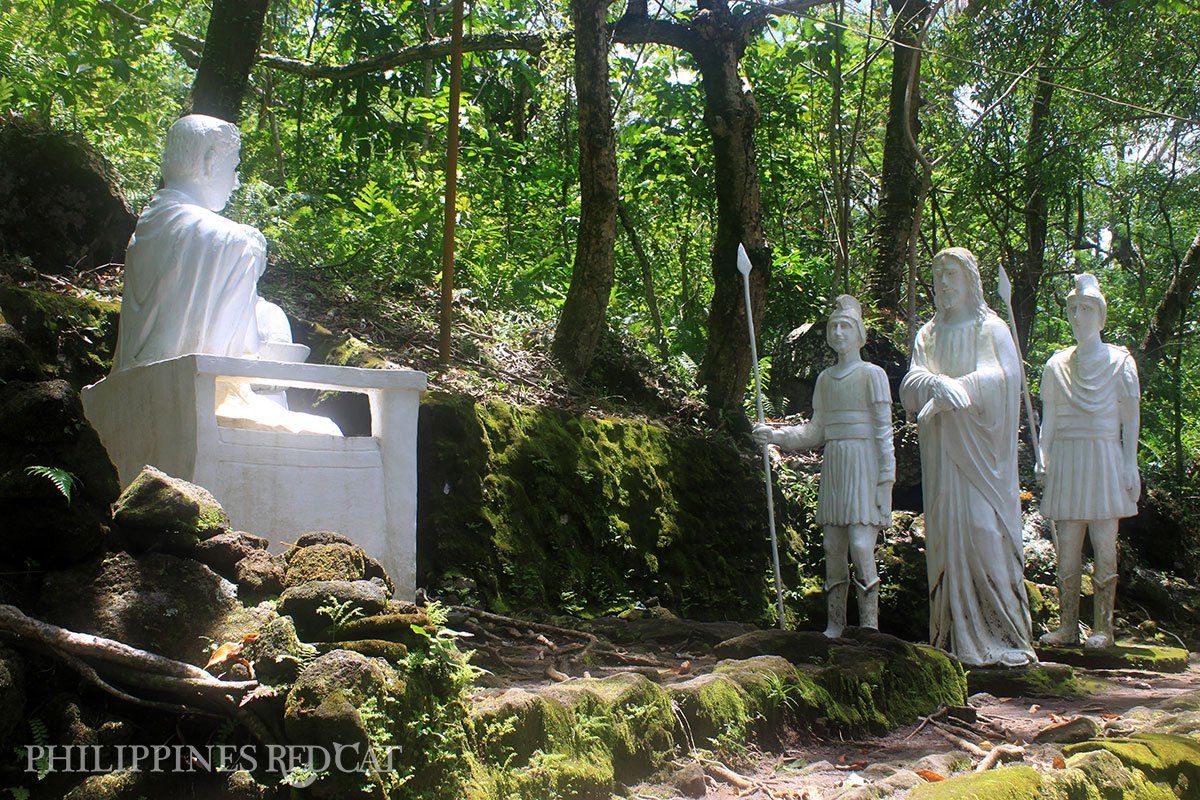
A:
731, 116
900, 182
1169, 314
582, 320
1028, 273
230, 50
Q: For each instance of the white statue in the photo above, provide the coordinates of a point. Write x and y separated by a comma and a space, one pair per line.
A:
191, 278
191, 275
1090, 422
965, 381
852, 417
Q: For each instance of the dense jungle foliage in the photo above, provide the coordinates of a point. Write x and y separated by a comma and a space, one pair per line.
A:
1058, 137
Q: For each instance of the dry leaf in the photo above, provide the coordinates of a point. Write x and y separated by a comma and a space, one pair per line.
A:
1060, 762
224, 653
930, 775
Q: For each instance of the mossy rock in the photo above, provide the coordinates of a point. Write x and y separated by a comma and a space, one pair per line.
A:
1164, 758
390, 627
375, 648
126, 784
1035, 680
156, 505
1008, 783
156, 602
541, 507
626, 714
71, 338
880, 682
325, 562
511, 727
304, 603
571, 740
1120, 656
277, 653
1107, 778
798, 647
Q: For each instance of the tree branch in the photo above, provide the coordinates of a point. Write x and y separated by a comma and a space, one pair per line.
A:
425, 51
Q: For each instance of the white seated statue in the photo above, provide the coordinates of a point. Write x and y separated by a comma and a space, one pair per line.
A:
852, 417
191, 276
1090, 423
964, 380
200, 379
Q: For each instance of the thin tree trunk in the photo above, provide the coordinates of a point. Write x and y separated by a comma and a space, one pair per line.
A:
731, 116
647, 282
900, 181
1169, 314
1032, 264
230, 50
582, 321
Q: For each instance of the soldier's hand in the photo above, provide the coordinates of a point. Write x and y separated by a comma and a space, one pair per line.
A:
763, 434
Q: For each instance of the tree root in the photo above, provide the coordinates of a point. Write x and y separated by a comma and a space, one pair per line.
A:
191, 690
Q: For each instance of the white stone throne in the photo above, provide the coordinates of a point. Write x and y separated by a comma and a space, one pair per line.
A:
275, 484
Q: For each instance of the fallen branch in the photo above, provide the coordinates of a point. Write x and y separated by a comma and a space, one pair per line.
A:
722, 773
1004, 752
957, 740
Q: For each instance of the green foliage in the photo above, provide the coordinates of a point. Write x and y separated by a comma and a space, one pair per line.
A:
64, 480
340, 613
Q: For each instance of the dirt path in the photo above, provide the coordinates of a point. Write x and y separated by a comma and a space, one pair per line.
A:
827, 770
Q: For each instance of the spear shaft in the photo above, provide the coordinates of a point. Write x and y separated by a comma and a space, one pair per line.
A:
1005, 288
744, 267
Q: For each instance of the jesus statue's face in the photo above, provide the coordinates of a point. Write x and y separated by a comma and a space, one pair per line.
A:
949, 285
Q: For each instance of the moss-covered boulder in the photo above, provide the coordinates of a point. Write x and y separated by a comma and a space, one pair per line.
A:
1103, 775
277, 653
71, 338
60, 205
330, 556
1120, 656
344, 698
325, 562
572, 740
883, 682
56, 481
799, 647
1035, 680
1164, 758
541, 507
159, 511
412, 629
158, 602
316, 605
1008, 783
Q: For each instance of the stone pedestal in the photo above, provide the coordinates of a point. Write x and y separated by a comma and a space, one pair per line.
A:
277, 485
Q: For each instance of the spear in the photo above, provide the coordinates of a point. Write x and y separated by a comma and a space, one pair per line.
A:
744, 266
1004, 286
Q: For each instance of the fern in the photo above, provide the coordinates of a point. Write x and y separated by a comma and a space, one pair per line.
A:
65, 481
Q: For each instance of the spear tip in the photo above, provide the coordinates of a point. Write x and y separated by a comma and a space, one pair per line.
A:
743, 264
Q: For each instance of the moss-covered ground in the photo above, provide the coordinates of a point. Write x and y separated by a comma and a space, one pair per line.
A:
580, 738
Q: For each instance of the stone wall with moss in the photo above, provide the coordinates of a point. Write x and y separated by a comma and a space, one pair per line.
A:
536, 507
